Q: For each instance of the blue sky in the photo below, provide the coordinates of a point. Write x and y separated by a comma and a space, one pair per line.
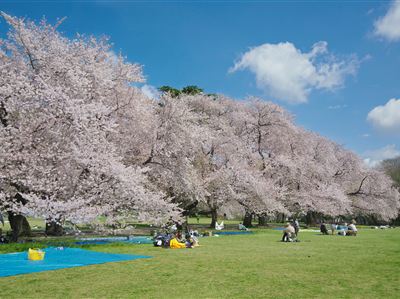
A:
354, 68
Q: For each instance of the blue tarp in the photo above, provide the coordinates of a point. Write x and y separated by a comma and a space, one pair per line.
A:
106, 238
100, 241
58, 258
140, 240
233, 233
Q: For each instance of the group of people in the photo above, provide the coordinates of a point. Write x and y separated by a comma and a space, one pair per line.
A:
189, 240
174, 238
291, 231
342, 230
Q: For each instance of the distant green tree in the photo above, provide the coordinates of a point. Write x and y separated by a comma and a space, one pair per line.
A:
172, 91
192, 90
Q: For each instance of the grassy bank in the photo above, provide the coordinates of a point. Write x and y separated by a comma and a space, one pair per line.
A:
256, 266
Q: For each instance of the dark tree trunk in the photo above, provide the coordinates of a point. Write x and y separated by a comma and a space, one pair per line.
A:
312, 218
396, 221
248, 217
362, 220
280, 217
19, 226
26, 228
18, 223
54, 229
368, 220
188, 210
262, 220
213, 218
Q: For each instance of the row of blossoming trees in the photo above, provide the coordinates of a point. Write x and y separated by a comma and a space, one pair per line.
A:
79, 141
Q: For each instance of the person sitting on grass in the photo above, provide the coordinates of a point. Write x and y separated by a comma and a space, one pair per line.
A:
191, 241
342, 230
323, 229
191, 238
352, 229
288, 233
242, 227
175, 244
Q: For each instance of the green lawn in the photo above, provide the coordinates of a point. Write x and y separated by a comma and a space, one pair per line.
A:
256, 266
207, 220
35, 223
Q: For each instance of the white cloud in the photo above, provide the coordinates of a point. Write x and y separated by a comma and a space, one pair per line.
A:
366, 135
388, 26
387, 117
374, 157
371, 163
150, 91
286, 73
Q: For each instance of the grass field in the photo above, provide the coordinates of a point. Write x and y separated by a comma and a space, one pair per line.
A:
255, 266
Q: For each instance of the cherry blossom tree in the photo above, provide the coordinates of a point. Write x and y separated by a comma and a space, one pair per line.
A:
229, 163
59, 100
171, 154
318, 175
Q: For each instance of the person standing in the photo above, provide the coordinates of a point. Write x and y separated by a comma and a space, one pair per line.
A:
323, 229
296, 226
333, 228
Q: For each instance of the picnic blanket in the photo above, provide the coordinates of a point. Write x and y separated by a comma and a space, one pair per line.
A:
106, 240
58, 258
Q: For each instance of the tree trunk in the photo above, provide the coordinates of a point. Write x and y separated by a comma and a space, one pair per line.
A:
312, 218
213, 218
262, 220
26, 228
54, 229
19, 226
280, 217
248, 217
396, 221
